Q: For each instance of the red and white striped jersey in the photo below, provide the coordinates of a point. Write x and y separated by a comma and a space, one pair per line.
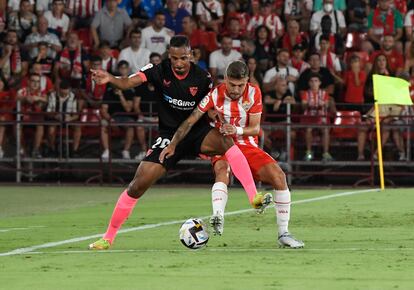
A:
84, 8
235, 112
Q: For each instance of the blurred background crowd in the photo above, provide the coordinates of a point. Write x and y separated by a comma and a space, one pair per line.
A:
315, 57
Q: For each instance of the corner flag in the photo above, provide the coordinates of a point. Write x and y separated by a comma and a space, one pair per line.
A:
390, 90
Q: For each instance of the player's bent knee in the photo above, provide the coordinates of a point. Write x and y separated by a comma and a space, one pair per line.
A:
135, 189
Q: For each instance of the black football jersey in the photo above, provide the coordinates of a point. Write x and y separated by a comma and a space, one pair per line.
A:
176, 98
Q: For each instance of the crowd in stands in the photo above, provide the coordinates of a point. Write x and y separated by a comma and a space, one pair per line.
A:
318, 56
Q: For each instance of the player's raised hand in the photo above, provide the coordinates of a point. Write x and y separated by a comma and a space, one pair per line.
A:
167, 152
100, 76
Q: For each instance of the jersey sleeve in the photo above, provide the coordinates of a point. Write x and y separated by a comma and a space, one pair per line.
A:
206, 103
257, 107
150, 73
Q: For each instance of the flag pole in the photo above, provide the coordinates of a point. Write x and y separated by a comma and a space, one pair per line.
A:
379, 146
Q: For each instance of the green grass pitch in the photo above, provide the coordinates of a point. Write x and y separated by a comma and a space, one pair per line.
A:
359, 241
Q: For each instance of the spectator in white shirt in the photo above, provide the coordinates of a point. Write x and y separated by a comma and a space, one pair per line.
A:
13, 5
210, 14
58, 21
135, 55
220, 58
156, 37
42, 6
281, 70
42, 35
338, 19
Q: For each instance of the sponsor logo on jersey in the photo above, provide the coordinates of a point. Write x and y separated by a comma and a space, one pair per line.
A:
148, 66
180, 104
166, 83
204, 102
193, 91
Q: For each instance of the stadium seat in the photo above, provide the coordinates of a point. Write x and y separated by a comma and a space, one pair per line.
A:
90, 116
7, 104
346, 118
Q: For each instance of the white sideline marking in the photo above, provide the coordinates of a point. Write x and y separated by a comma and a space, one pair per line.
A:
19, 229
224, 250
151, 226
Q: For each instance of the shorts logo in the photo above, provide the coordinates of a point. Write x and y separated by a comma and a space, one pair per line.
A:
193, 91
149, 152
166, 83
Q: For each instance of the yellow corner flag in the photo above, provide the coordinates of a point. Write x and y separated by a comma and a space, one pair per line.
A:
390, 90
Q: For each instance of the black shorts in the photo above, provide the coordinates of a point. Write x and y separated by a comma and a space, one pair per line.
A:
189, 147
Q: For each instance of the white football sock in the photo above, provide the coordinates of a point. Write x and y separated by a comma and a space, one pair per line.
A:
282, 207
219, 197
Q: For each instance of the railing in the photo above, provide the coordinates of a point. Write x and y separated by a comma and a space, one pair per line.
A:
27, 168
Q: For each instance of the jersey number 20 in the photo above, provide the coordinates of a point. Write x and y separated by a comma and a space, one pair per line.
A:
161, 143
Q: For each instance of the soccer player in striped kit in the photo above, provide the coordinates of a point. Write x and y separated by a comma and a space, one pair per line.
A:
238, 105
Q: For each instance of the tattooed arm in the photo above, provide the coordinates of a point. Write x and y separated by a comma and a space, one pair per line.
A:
180, 134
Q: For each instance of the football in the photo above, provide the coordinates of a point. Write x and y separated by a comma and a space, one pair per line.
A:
193, 234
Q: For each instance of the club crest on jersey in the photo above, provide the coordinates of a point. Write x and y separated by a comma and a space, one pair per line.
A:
193, 91
166, 83
246, 105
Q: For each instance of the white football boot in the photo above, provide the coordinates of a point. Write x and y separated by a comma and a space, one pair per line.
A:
217, 223
286, 240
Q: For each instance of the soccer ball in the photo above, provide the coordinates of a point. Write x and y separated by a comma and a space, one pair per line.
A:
193, 234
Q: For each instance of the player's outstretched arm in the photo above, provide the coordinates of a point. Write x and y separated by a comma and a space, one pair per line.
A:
180, 134
124, 83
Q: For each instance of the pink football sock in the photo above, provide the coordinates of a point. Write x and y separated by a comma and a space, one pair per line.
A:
123, 209
241, 170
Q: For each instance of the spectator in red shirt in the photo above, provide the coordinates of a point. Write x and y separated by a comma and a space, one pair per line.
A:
33, 102
72, 63
7, 103
293, 36
93, 93
315, 102
196, 36
394, 58
354, 81
234, 11
46, 85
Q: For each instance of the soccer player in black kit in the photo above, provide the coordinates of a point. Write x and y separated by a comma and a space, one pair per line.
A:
180, 86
